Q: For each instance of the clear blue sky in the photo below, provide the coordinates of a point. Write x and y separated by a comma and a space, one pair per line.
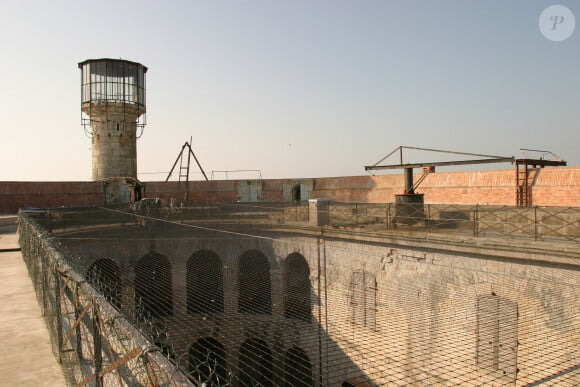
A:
293, 88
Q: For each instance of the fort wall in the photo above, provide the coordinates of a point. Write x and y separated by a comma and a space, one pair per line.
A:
549, 187
16, 194
385, 309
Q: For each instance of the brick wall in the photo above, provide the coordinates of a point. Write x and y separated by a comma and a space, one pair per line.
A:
551, 187
15, 195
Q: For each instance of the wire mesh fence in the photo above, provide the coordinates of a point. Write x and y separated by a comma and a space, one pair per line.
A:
94, 343
539, 223
228, 294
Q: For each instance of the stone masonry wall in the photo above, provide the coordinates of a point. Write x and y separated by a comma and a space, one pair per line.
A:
550, 187
15, 195
390, 310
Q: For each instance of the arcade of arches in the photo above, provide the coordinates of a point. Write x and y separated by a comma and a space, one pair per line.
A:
153, 300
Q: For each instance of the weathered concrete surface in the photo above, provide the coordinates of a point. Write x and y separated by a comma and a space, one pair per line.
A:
26, 358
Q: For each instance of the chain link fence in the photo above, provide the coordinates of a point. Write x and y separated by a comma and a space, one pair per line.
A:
94, 343
538, 223
235, 294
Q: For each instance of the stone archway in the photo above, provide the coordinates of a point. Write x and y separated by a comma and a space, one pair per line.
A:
255, 295
297, 368
255, 364
153, 287
297, 288
205, 288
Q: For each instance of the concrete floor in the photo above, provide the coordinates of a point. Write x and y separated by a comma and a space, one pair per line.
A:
26, 358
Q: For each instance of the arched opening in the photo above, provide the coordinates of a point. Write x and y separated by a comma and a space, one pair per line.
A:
297, 288
297, 368
207, 363
104, 275
255, 364
205, 289
255, 286
153, 288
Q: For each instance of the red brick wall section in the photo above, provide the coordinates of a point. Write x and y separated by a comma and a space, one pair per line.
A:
551, 187
15, 195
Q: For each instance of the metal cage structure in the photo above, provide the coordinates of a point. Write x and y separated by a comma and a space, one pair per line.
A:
113, 85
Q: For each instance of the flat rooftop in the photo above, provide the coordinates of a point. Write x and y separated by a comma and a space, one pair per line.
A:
26, 358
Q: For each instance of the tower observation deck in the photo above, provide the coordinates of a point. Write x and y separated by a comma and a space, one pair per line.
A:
113, 110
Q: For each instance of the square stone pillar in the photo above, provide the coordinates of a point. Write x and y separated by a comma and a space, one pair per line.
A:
319, 212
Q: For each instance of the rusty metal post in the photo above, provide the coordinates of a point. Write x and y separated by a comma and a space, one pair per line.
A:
536, 223
97, 345
475, 220
78, 312
57, 312
409, 181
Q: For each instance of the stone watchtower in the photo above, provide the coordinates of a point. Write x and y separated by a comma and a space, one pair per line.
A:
113, 107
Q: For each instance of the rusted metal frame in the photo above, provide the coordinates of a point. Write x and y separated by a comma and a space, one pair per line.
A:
400, 150
198, 164
536, 223
518, 188
111, 367
111, 351
541, 163
176, 160
97, 350
187, 170
41, 286
523, 193
426, 173
493, 225
450, 152
150, 372
502, 221
440, 163
78, 321
53, 254
57, 311
524, 212
555, 228
476, 221
79, 316
65, 285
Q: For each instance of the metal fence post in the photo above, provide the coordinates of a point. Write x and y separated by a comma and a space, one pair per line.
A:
98, 357
475, 220
41, 284
536, 223
57, 312
78, 333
